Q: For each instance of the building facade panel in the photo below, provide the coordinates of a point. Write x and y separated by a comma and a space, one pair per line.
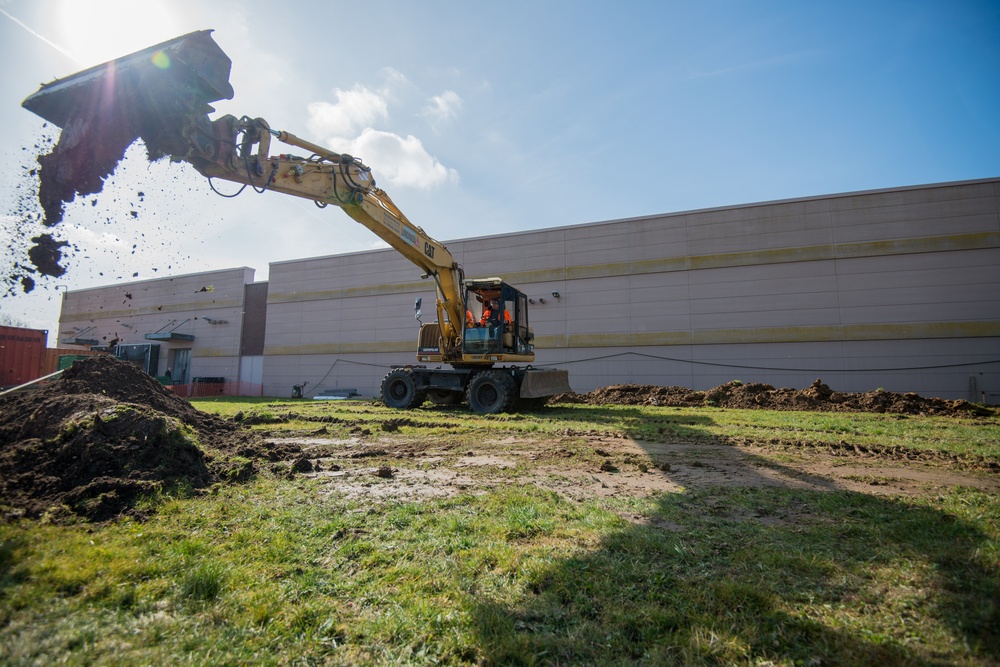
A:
948, 268
707, 237
810, 280
981, 297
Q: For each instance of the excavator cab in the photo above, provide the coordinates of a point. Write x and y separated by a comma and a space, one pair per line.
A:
497, 323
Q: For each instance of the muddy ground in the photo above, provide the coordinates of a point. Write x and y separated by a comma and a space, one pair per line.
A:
588, 466
103, 435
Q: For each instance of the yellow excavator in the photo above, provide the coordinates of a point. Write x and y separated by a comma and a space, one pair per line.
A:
162, 95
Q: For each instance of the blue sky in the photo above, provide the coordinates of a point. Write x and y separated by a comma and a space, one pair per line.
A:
484, 118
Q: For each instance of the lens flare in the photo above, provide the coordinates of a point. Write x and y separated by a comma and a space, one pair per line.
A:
161, 60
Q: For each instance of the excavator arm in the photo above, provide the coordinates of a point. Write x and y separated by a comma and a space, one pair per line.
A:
239, 153
161, 95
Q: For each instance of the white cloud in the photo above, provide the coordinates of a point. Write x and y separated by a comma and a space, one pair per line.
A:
395, 83
348, 126
91, 239
443, 107
401, 162
354, 110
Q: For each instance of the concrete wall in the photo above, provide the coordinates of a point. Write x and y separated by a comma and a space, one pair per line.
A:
208, 306
898, 289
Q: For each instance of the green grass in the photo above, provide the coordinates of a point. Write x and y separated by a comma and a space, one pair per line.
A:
287, 571
275, 570
962, 436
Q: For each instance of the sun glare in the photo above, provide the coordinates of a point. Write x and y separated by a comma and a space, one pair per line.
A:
95, 32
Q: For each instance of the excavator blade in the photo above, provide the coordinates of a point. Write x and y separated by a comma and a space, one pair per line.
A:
192, 66
540, 383
156, 94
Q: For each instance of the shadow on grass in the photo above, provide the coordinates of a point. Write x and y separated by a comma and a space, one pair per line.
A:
10, 575
632, 421
779, 569
759, 574
635, 422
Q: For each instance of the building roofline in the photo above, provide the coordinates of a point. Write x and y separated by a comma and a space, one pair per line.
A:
179, 276
730, 207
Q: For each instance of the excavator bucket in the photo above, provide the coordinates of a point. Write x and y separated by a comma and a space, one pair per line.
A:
540, 383
154, 94
192, 66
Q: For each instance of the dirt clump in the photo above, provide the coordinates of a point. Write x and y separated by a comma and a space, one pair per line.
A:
105, 433
737, 395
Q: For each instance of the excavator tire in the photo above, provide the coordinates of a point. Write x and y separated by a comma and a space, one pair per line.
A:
399, 390
444, 397
491, 392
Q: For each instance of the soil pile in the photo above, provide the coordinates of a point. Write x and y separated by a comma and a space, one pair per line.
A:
103, 434
817, 396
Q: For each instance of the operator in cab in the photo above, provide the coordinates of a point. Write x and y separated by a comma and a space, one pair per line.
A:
492, 315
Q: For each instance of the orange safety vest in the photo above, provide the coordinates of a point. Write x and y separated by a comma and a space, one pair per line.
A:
488, 312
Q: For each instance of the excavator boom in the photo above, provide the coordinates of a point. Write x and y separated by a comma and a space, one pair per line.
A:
163, 94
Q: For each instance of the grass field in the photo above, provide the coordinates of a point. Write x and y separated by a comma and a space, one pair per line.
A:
802, 566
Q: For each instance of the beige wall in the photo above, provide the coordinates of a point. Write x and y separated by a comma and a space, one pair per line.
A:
897, 289
187, 304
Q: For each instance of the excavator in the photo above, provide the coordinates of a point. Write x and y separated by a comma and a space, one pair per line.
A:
162, 94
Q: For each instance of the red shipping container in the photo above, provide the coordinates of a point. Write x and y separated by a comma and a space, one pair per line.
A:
21, 353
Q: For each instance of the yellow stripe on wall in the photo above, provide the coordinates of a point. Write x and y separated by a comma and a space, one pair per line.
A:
817, 334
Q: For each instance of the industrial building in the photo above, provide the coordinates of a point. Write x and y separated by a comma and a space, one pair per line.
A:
896, 289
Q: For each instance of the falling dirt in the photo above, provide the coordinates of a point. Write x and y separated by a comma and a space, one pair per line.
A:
105, 433
155, 95
89, 148
88, 151
738, 395
36, 249
47, 254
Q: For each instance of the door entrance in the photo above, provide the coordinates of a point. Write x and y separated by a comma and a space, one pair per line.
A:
179, 363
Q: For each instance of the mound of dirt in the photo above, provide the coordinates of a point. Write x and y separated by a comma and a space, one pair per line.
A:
105, 433
817, 396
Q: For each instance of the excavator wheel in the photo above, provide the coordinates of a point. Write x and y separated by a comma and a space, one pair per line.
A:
491, 392
399, 390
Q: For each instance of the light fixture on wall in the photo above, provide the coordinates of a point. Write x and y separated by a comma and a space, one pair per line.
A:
556, 295
531, 300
